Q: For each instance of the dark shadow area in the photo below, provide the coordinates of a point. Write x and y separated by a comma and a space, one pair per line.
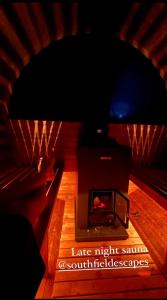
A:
22, 267
90, 78
23, 223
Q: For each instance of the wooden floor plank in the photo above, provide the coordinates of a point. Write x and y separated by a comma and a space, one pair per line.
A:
70, 228
71, 235
73, 288
138, 294
125, 283
72, 243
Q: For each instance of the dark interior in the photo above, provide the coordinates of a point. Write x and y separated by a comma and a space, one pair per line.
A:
113, 82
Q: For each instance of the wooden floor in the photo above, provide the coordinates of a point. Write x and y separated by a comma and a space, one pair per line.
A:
115, 283
153, 216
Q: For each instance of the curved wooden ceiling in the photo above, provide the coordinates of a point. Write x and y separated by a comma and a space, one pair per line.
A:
26, 28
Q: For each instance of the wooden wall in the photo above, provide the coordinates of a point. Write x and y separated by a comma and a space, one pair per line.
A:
147, 141
37, 138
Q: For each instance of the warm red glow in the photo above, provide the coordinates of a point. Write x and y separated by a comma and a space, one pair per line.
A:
144, 273
80, 283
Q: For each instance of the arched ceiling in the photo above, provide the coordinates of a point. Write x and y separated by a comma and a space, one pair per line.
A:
26, 28
85, 78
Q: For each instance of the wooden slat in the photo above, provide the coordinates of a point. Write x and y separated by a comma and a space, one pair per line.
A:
5, 57
68, 244
74, 18
58, 19
150, 18
158, 35
12, 37
141, 294
73, 288
54, 232
41, 23
163, 71
71, 236
161, 54
129, 20
22, 12
6, 83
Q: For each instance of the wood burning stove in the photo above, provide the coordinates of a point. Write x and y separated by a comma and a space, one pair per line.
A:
101, 208
102, 205
107, 207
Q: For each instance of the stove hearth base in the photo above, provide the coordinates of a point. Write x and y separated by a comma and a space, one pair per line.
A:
101, 233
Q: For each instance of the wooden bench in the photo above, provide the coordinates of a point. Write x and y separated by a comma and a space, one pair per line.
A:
31, 199
154, 178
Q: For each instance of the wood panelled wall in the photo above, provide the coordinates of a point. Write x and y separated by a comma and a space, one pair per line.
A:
147, 141
37, 138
